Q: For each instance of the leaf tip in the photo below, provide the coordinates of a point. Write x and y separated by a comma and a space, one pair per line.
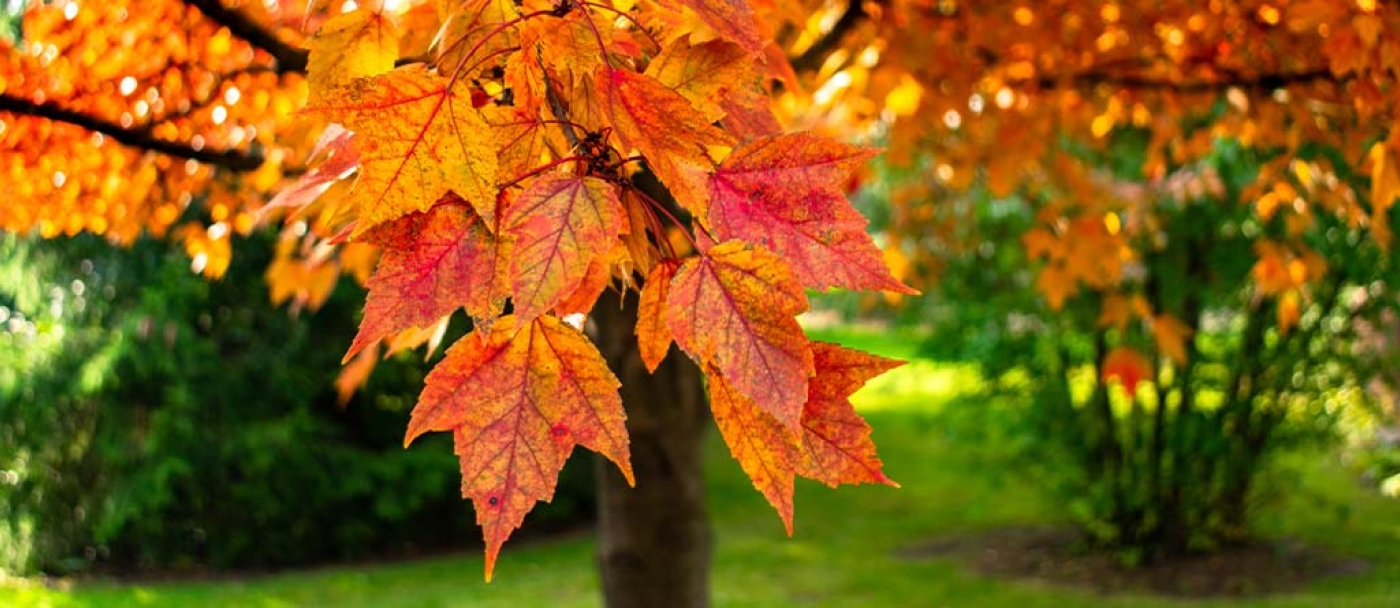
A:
350, 354
413, 433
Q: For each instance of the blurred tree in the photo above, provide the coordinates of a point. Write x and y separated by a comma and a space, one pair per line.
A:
1200, 194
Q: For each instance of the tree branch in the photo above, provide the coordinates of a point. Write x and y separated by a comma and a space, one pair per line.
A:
812, 59
290, 59
815, 55
1261, 81
234, 160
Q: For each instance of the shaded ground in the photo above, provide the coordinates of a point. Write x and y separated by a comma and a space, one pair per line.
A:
1059, 555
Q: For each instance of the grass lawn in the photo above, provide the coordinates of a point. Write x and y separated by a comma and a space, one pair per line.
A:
845, 549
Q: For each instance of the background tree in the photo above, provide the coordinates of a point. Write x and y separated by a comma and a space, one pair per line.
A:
1169, 171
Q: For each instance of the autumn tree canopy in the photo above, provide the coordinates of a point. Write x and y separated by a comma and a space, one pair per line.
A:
997, 94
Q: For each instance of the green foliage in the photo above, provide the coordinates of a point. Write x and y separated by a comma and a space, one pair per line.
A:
12, 21
1181, 465
160, 420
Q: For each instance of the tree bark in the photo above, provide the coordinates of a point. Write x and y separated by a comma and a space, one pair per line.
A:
654, 540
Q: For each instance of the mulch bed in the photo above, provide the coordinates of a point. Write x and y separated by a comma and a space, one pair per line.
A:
1060, 556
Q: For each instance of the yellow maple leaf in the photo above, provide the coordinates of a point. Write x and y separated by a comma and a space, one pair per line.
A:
418, 139
353, 45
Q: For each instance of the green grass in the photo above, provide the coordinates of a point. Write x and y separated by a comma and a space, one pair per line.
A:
844, 552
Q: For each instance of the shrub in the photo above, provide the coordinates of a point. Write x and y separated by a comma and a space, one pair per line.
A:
161, 420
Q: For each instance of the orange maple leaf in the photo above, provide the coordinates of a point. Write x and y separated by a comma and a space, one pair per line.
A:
1171, 336
517, 404
653, 334
732, 309
733, 20
836, 446
560, 223
669, 132
832, 444
595, 281
764, 447
522, 138
703, 73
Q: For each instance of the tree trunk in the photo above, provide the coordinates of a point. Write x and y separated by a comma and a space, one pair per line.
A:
654, 540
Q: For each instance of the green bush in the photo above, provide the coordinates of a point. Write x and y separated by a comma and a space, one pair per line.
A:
155, 420
1184, 464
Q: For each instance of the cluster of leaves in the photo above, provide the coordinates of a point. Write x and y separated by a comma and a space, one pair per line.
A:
993, 95
97, 97
513, 164
510, 158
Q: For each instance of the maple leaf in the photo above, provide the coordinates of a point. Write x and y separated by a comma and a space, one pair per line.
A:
417, 140
340, 160
1040, 242
733, 20
568, 46
434, 262
354, 375
1171, 336
524, 140
653, 333
1127, 366
704, 73
595, 282
748, 114
1057, 283
763, 446
357, 44
414, 337
1118, 310
517, 404
641, 251
1385, 187
732, 309
1289, 311
469, 27
832, 444
836, 446
784, 193
659, 122
560, 223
